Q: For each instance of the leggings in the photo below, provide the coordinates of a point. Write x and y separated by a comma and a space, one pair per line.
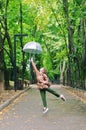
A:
43, 95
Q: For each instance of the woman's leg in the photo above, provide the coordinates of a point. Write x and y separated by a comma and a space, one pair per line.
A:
52, 92
43, 96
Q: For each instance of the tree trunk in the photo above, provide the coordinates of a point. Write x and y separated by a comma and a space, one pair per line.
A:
10, 53
62, 69
70, 40
1, 64
1, 81
84, 51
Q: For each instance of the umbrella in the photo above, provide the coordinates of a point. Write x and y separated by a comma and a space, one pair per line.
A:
32, 47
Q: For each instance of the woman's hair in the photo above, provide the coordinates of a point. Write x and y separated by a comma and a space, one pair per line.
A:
43, 70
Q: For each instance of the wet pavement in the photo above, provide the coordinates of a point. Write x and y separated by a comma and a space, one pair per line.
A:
26, 112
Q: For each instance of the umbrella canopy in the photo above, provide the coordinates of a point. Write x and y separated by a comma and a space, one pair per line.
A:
32, 47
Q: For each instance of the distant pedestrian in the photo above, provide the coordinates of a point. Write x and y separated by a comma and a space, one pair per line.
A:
44, 85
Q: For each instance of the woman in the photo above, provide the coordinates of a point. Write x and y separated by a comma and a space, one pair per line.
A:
44, 85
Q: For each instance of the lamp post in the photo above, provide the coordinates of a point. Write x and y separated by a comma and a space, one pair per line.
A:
15, 36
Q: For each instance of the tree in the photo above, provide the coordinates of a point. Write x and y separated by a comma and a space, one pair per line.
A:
1, 51
59, 26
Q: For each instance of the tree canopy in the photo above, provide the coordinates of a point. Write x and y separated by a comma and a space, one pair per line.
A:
59, 26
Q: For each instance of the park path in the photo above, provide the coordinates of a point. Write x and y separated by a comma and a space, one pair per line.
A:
26, 112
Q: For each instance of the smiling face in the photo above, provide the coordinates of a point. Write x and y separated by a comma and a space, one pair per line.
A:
42, 70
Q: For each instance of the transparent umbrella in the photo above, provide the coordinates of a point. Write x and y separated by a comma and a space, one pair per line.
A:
32, 48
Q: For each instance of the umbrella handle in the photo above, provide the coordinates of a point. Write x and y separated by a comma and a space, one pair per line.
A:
30, 56
34, 57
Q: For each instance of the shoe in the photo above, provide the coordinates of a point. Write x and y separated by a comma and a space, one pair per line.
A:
45, 110
62, 97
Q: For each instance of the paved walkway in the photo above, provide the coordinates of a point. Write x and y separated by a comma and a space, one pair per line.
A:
26, 113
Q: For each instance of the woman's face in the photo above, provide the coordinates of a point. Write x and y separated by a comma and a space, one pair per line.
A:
42, 70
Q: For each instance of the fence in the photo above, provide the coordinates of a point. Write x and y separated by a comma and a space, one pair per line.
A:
78, 87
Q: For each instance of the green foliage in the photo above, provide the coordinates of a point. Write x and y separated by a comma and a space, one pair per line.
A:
47, 64
44, 22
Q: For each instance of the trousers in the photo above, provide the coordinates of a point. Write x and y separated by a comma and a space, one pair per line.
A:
43, 95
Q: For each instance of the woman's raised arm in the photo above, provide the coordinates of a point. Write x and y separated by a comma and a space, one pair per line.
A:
35, 68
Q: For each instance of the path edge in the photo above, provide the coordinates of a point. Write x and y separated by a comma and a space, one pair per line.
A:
9, 101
